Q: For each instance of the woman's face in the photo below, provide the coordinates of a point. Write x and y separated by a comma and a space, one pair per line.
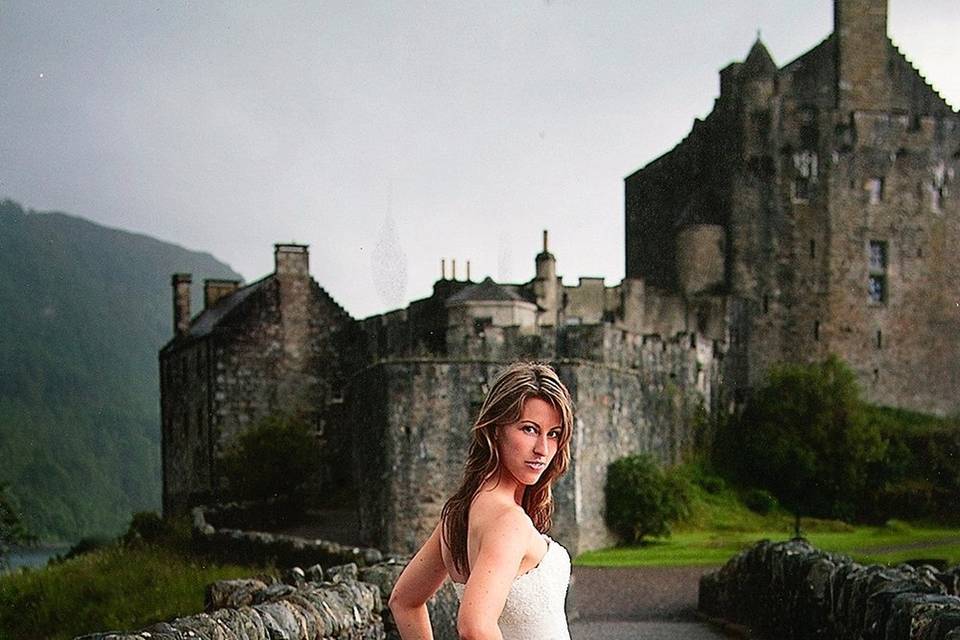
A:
528, 445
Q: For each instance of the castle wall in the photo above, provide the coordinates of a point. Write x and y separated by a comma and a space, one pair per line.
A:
186, 426
412, 420
586, 303
618, 412
411, 428
893, 187
286, 349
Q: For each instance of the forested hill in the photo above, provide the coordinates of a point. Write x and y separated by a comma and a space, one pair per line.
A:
83, 311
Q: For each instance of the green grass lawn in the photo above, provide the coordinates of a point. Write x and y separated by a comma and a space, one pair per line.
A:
719, 526
863, 544
114, 588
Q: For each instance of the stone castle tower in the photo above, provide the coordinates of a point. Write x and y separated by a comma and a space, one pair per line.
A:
816, 198
809, 213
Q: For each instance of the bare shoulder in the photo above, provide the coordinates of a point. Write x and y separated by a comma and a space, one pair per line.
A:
498, 521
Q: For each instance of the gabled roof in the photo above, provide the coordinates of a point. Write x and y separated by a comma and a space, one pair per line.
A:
208, 319
488, 290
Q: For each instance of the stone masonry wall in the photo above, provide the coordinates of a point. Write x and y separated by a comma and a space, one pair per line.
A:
412, 433
790, 590
618, 412
339, 603
895, 186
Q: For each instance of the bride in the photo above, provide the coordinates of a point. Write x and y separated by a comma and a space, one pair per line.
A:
491, 539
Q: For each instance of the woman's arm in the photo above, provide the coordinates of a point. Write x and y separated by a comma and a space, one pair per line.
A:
421, 578
502, 547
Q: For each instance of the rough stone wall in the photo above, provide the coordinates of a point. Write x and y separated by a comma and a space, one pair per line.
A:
345, 609
903, 348
185, 390
412, 432
618, 412
804, 166
412, 435
288, 347
790, 590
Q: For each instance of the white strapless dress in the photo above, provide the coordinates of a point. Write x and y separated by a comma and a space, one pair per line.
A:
534, 609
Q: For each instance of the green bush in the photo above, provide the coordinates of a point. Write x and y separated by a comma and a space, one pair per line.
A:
805, 437
272, 459
759, 501
642, 500
919, 476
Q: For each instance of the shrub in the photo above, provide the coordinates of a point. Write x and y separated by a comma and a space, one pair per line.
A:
804, 437
641, 500
272, 459
759, 501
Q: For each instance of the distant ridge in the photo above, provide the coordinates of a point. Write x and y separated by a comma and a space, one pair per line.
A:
83, 311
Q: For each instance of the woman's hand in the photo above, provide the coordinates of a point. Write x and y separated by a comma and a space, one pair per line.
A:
503, 544
421, 578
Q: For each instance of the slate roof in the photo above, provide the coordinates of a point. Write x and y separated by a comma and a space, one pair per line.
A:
204, 324
485, 291
758, 62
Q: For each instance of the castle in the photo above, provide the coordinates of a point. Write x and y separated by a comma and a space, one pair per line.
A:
809, 213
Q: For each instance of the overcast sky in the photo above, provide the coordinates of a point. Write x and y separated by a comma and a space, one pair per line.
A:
464, 127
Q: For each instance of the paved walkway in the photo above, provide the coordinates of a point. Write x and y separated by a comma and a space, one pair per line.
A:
645, 603
612, 630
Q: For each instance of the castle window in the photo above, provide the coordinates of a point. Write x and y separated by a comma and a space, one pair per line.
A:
766, 303
879, 339
480, 325
816, 330
805, 174
813, 248
937, 188
877, 288
878, 256
875, 190
877, 278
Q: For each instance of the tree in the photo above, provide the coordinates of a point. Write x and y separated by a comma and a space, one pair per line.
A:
805, 436
272, 459
12, 531
641, 499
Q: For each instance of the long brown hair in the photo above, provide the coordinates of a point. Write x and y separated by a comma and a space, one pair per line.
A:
504, 405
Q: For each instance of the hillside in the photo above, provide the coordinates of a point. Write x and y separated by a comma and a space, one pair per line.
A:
83, 311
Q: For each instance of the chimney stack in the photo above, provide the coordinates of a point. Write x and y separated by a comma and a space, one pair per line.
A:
443, 268
181, 303
468, 271
860, 31
216, 290
454, 269
291, 260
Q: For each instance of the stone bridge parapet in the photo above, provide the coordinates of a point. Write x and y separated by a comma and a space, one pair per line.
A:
791, 590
